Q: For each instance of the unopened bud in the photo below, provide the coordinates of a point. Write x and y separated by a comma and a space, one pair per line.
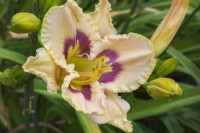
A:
163, 88
168, 27
12, 77
167, 67
7, 77
25, 23
19, 74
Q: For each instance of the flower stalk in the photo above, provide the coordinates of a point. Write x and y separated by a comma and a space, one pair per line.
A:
29, 97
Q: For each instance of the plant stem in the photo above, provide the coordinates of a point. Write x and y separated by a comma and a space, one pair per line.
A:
26, 107
30, 105
32, 96
30, 99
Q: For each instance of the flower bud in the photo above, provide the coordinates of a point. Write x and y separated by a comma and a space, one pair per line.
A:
163, 88
25, 23
19, 74
12, 77
169, 26
167, 67
7, 77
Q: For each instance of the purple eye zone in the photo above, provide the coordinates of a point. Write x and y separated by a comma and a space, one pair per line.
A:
116, 67
85, 90
83, 41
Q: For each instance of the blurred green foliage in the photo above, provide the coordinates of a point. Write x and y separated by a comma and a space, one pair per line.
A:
50, 113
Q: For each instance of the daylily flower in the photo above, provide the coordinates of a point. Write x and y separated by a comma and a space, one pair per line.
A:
85, 58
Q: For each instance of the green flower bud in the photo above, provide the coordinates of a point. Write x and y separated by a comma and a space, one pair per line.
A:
19, 74
167, 67
163, 88
7, 77
12, 77
16, 68
25, 23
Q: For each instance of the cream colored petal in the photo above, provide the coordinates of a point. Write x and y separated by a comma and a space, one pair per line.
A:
57, 26
115, 113
103, 19
169, 26
84, 22
60, 24
134, 56
43, 66
90, 99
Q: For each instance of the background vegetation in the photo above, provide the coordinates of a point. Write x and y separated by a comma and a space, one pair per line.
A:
25, 104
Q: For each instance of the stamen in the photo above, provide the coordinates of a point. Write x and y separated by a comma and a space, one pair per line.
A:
87, 78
